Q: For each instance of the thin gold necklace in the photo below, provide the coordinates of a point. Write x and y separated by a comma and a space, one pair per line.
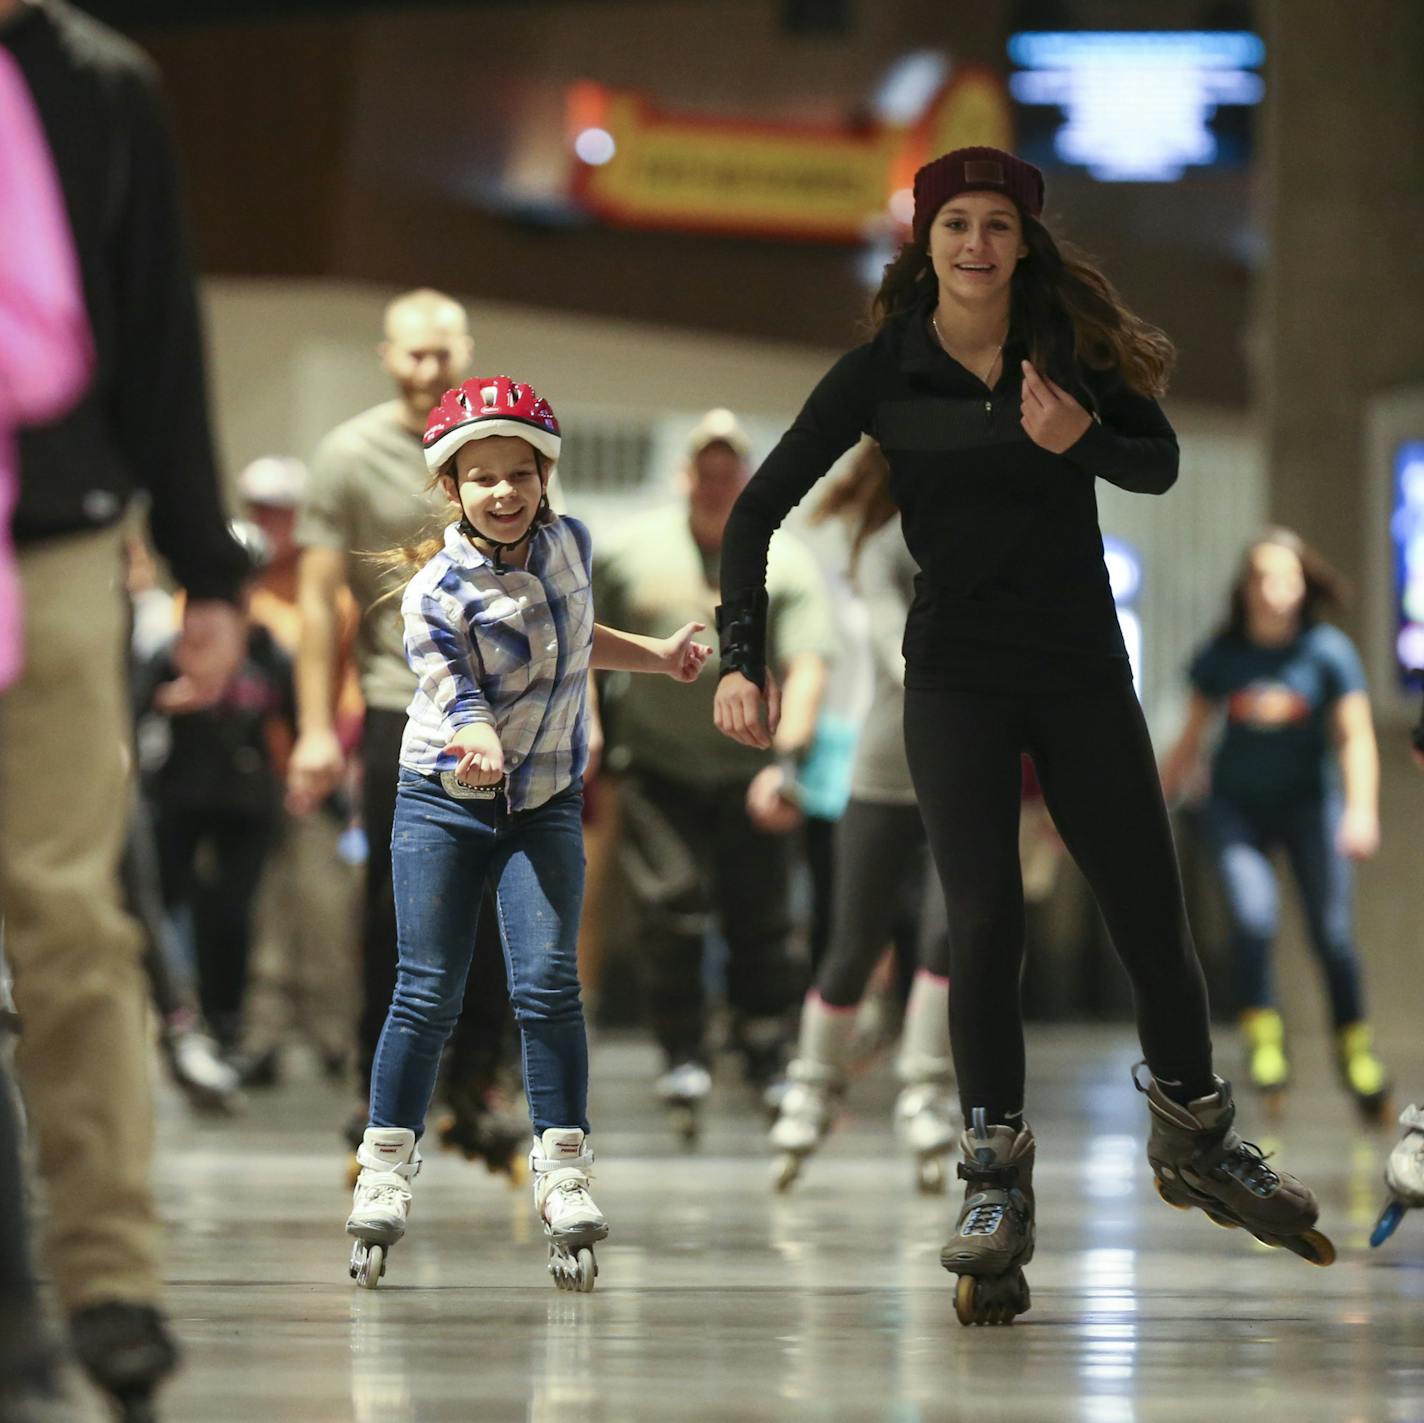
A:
944, 346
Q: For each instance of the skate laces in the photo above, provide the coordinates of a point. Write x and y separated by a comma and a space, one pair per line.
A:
1246, 1162
385, 1188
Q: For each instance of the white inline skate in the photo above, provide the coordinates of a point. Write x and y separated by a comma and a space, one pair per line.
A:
1403, 1175
928, 1122
380, 1203
926, 1117
815, 1086
560, 1162
682, 1090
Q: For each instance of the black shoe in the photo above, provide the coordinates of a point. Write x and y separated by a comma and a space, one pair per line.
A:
257, 1069
29, 1372
127, 1351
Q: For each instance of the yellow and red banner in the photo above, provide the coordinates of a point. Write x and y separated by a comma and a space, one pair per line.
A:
797, 182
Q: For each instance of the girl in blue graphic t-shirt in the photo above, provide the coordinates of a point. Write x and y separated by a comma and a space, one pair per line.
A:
1295, 768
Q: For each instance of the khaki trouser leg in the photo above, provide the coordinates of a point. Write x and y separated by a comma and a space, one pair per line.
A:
304, 969
83, 1058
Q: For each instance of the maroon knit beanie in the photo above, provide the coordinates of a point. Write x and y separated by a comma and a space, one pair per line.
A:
973, 170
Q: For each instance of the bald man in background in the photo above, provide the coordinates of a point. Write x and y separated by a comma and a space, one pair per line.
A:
369, 491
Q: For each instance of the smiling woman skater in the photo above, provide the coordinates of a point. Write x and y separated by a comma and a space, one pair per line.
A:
1005, 377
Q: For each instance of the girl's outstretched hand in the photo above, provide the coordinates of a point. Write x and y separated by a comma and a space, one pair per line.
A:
481, 756
1053, 419
682, 657
742, 713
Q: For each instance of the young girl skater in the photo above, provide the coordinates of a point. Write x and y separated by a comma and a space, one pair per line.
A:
499, 629
1293, 694
881, 870
1005, 377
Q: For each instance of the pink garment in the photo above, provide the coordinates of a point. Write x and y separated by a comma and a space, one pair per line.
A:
45, 347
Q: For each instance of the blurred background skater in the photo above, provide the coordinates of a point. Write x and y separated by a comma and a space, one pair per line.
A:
993, 345
1290, 692
884, 889
216, 793
706, 826
74, 953
301, 977
369, 490
195, 1063
45, 365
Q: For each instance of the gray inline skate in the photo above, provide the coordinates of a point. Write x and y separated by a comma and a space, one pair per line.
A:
993, 1238
1200, 1161
1403, 1176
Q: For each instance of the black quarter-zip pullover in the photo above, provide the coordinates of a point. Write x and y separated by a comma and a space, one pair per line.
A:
1012, 593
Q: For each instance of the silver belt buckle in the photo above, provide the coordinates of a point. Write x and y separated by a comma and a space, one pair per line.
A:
463, 790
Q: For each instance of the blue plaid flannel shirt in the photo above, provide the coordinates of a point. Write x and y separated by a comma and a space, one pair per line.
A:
508, 648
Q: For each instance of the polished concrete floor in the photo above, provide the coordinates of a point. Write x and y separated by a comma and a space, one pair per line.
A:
719, 1300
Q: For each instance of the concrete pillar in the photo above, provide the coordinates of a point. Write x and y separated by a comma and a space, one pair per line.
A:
1342, 298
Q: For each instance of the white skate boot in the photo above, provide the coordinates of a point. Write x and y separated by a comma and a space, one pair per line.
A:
209, 1083
682, 1090
560, 1161
1403, 1175
926, 1117
816, 1085
381, 1201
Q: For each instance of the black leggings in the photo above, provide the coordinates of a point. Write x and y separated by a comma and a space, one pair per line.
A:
1094, 760
882, 888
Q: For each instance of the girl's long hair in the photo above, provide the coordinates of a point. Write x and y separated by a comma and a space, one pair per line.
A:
1066, 310
860, 496
1325, 590
408, 559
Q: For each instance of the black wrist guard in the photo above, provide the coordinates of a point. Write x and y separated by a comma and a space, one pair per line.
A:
741, 629
1416, 736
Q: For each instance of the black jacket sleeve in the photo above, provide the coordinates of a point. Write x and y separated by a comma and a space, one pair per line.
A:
1130, 444
160, 407
830, 422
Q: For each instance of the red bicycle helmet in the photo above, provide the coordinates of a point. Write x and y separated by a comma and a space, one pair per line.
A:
491, 405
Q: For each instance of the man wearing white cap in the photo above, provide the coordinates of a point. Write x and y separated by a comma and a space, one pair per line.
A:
302, 970
705, 832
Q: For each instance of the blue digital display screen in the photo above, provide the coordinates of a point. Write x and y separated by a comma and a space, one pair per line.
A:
1136, 106
1406, 532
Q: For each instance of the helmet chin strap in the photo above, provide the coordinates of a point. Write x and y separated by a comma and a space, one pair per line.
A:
499, 546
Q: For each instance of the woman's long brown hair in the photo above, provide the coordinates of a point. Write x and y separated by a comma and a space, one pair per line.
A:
1326, 591
860, 496
1063, 306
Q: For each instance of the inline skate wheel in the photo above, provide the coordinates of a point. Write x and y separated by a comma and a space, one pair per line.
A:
930, 1178
587, 1271
1162, 1192
368, 1264
994, 1300
1312, 1245
1376, 1109
1387, 1224
784, 1171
